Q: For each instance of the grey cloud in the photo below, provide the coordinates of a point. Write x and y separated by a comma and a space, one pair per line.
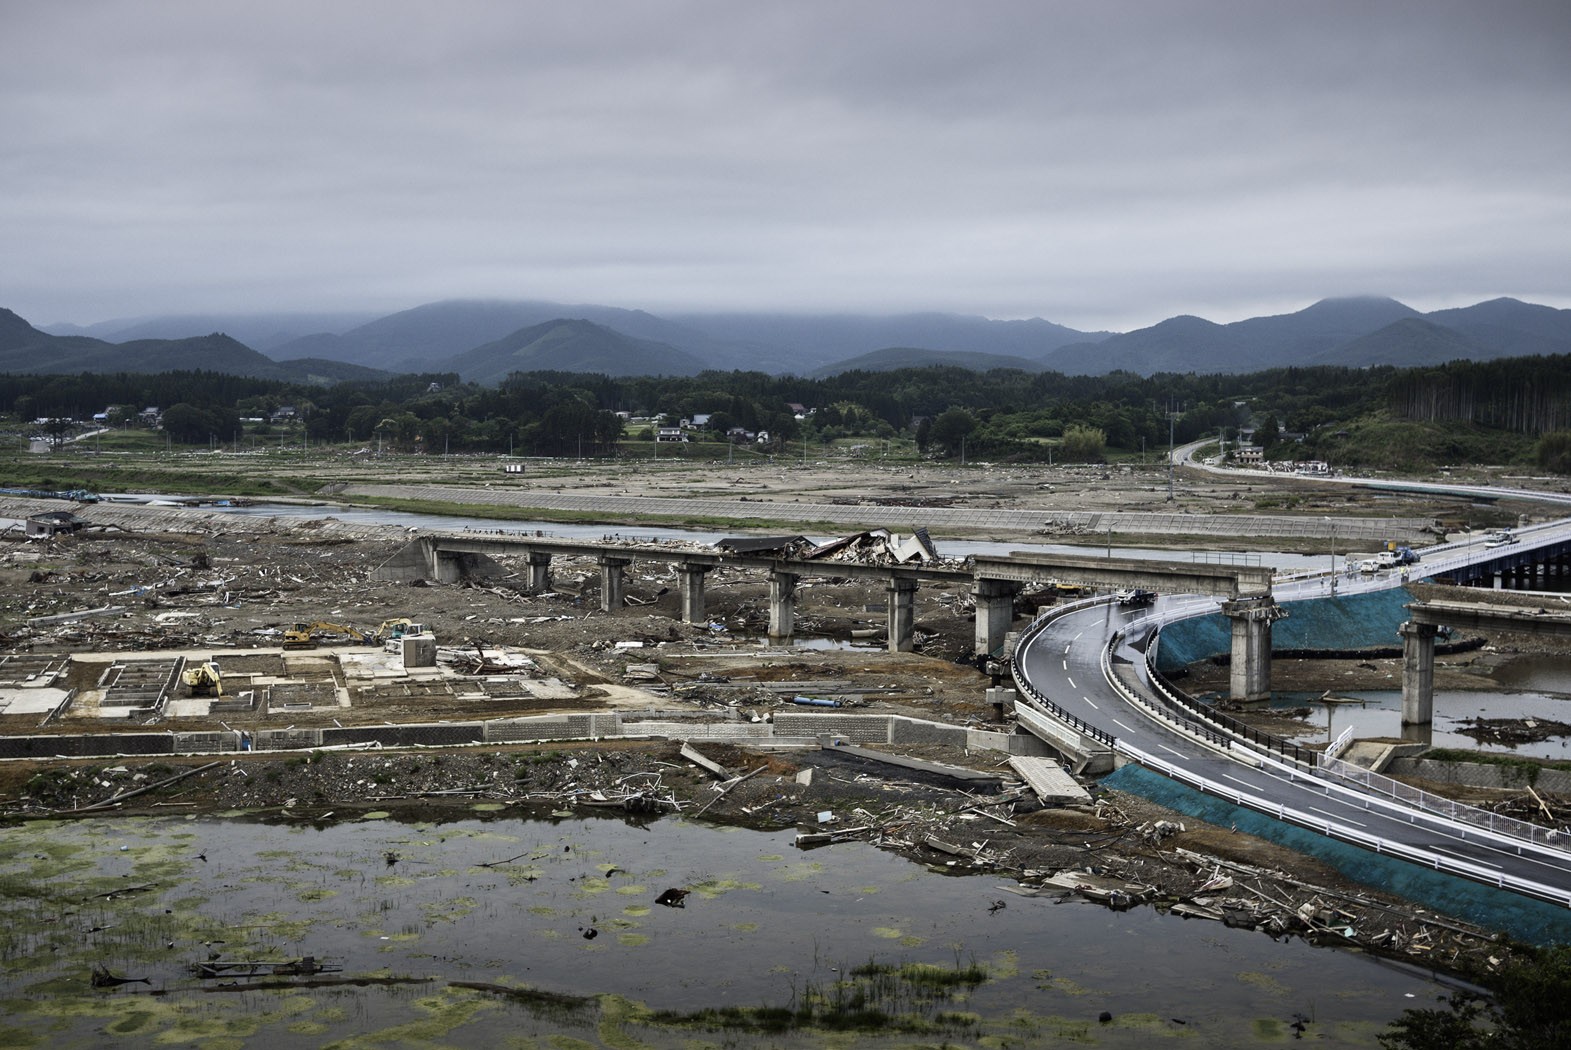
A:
1102, 165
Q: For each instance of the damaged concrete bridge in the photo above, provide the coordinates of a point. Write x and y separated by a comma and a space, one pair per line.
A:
994, 581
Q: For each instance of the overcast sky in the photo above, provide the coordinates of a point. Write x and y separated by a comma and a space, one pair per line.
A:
1100, 164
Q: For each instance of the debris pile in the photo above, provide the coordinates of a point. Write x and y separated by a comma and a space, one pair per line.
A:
877, 547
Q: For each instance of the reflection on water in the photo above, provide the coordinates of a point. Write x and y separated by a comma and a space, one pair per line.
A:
1543, 673
1379, 714
482, 930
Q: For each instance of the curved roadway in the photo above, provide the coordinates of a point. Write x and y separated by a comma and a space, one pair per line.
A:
1064, 662
1070, 660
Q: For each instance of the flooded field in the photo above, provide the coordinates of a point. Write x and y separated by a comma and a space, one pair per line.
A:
495, 931
1378, 713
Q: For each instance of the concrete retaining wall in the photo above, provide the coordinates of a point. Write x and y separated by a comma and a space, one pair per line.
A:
1481, 775
206, 743
445, 735
856, 729
553, 727
741, 732
792, 727
90, 745
286, 739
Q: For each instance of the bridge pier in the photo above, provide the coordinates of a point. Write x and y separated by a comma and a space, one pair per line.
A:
539, 572
995, 612
692, 576
1418, 672
613, 585
902, 614
1249, 676
782, 607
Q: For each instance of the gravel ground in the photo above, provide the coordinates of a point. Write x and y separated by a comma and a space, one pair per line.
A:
232, 583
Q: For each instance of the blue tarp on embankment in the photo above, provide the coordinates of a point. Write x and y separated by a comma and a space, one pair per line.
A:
1523, 918
1362, 621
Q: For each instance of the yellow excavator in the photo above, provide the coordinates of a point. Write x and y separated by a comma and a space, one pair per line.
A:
204, 679
304, 635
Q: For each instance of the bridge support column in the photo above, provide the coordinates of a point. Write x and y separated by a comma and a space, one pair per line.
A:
539, 573
613, 588
446, 566
902, 614
1418, 672
692, 584
995, 611
782, 607
1250, 674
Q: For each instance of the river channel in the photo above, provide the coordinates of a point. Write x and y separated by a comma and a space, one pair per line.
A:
498, 931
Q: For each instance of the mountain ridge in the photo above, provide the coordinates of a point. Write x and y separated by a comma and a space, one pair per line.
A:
1359, 331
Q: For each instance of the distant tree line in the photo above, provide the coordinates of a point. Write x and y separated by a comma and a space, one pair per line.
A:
1526, 395
1003, 414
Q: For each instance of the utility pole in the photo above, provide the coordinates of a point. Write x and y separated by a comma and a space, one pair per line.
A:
1170, 418
1333, 555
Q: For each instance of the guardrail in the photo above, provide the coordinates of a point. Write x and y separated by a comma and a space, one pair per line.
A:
1163, 711
1238, 730
1039, 698
1178, 700
1327, 763
1335, 748
1509, 827
1355, 836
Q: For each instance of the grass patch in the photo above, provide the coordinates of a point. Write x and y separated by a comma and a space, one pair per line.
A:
1528, 767
908, 998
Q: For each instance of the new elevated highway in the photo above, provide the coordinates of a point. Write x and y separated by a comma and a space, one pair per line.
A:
1086, 685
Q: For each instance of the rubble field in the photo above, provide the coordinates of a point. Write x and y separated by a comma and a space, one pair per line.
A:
207, 586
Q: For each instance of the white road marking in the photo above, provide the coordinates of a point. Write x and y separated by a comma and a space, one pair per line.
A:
1071, 681
1121, 725
1088, 700
1338, 816
1462, 856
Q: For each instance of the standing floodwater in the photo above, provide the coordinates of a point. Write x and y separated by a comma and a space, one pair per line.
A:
474, 932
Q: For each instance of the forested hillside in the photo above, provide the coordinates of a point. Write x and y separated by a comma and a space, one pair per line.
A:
1370, 418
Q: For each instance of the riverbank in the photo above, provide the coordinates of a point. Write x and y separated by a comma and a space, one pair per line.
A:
1119, 849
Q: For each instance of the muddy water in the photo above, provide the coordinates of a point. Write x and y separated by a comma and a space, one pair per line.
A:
1540, 689
558, 925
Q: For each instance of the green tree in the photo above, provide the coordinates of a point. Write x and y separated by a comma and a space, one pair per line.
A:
1084, 445
1554, 452
190, 425
1267, 433
1531, 1010
951, 429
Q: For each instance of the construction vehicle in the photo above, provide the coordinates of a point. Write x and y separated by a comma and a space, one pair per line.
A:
204, 679
393, 630
302, 635
1396, 554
